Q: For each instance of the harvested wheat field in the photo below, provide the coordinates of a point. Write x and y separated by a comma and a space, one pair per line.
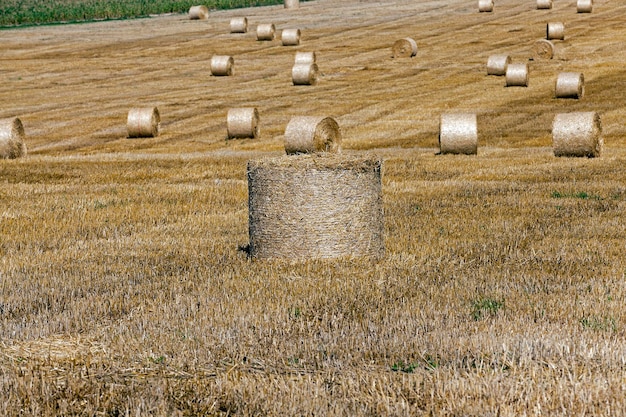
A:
126, 288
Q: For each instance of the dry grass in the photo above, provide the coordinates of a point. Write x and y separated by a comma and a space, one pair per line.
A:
123, 290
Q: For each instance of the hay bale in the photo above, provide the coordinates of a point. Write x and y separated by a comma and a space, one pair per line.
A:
243, 123
543, 49
222, 65
570, 85
485, 6
265, 32
143, 122
458, 134
404, 48
292, 4
311, 134
305, 58
12, 144
198, 13
577, 134
291, 37
239, 25
497, 64
304, 74
544, 4
584, 6
517, 75
315, 207
555, 30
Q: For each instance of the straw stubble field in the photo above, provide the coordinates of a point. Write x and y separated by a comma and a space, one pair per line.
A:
125, 289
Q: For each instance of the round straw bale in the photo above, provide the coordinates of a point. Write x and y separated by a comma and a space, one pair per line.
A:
555, 30
517, 75
311, 134
291, 37
544, 4
404, 48
485, 5
305, 58
497, 64
543, 49
12, 137
143, 122
222, 65
243, 123
239, 25
584, 6
570, 85
292, 4
304, 74
458, 134
265, 32
315, 207
577, 134
198, 13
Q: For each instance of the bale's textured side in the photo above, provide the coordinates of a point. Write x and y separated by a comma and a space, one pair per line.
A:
404, 48
239, 25
543, 49
305, 58
290, 37
458, 134
497, 64
544, 4
243, 123
222, 65
311, 134
555, 30
584, 6
198, 13
570, 85
304, 74
577, 134
485, 5
292, 4
315, 207
143, 122
12, 139
517, 75
265, 32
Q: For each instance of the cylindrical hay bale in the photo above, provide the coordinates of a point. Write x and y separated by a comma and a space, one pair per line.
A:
315, 207
222, 65
12, 144
577, 134
497, 64
544, 4
458, 134
517, 75
243, 123
291, 37
305, 58
485, 5
570, 85
304, 74
239, 25
555, 30
292, 4
265, 32
198, 13
312, 134
143, 122
543, 49
584, 6
404, 48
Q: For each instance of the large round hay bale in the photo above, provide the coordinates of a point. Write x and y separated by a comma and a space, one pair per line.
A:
305, 58
543, 49
290, 37
239, 25
265, 32
143, 122
555, 30
404, 48
222, 65
570, 85
517, 75
584, 6
304, 74
311, 134
12, 138
544, 4
497, 64
292, 4
485, 6
577, 134
198, 13
315, 207
243, 123
458, 134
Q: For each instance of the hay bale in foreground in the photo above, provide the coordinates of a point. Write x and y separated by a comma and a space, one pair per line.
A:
315, 207
292, 4
198, 13
143, 122
290, 37
544, 4
569, 85
305, 58
304, 74
497, 64
543, 49
458, 134
12, 139
404, 48
555, 30
485, 6
243, 123
310, 134
577, 134
517, 75
222, 65
584, 6
239, 25
265, 32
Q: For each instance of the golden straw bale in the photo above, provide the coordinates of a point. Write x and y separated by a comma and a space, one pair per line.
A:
404, 48
570, 85
291, 37
555, 30
311, 134
198, 13
265, 32
239, 25
517, 75
485, 5
304, 74
458, 134
222, 65
315, 207
305, 58
577, 134
584, 6
243, 123
544, 4
497, 64
292, 4
143, 122
543, 49
12, 136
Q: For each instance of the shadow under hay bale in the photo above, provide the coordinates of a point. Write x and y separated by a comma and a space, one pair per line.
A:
290, 37
198, 13
305, 58
544, 4
222, 65
243, 123
555, 31
143, 122
584, 6
265, 32
315, 207
404, 48
517, 75
304, 74
239, 25
543, 49
497, 64
577, 134
458, 134
569, 85
485, 6
310, 134
12, 139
